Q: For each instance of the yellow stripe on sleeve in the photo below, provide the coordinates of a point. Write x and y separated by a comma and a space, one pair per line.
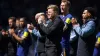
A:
25, 34
68, 21
98, 39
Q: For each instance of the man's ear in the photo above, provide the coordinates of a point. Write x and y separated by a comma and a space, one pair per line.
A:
56, 13
89, 14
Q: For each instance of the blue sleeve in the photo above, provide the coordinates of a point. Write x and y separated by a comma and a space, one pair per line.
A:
87, 30
98, 35
25, 30
70, 16
36, 32
68, 19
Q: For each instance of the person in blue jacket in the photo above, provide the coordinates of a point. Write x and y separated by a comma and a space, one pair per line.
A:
86, 32
38, 40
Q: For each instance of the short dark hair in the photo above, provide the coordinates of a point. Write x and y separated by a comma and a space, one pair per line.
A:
17, 19
66, 1
12, 18
54, 7
91, 10
24, 18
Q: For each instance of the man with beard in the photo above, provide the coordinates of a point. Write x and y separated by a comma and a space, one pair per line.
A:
12, 45
86, 32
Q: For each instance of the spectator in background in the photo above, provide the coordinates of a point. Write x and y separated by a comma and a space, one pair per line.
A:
3, 42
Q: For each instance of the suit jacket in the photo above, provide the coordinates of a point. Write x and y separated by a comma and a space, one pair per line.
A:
53, 32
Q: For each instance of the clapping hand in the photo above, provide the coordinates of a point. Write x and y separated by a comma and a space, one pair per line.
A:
11, 31
74, 21
30, 27
39, 20
3, 32
97, 44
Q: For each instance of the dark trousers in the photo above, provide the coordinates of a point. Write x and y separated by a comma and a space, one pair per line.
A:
41, 54
73, 48
3, 53
12, 49
53, 51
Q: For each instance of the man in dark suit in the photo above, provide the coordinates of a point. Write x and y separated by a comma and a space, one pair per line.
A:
53, 31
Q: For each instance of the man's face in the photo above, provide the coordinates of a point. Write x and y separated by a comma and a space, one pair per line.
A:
22, 22
17, 23
42, 17
50, 13
85, 14
63, 7
10, 21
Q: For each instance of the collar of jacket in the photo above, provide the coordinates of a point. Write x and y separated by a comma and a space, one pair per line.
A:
91, 19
